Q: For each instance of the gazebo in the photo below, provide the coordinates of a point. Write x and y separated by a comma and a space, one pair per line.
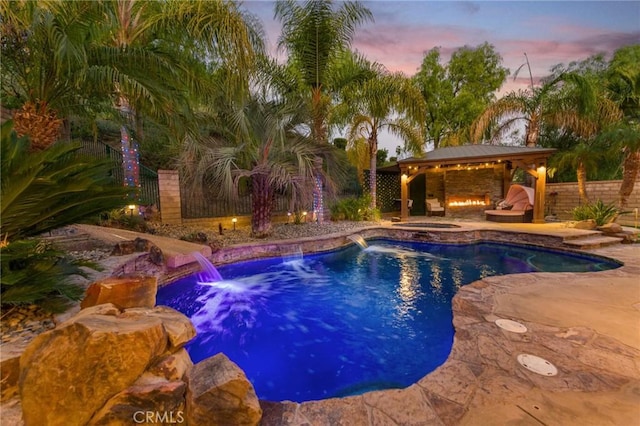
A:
471, 178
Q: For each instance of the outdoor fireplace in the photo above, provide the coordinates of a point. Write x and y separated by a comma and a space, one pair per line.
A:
469, 200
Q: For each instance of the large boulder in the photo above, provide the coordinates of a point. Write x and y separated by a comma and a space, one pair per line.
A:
68, 373
130, 247
173, 366
155, 402
585, 224
218, 393
178, 327
611, 228
9, 374
123, 292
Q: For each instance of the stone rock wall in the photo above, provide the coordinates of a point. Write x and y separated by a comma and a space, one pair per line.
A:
126, 364
473, 184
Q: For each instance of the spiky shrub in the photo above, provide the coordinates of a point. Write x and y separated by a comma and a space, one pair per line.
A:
581, 212
599, 212
42, 191
33, 272
51, 188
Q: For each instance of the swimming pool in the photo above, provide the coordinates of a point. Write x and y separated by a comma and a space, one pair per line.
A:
347, 321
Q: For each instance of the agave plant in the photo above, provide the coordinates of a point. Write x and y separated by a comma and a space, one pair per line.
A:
599, 212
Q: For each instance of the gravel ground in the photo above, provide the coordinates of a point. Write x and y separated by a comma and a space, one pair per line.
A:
242, 234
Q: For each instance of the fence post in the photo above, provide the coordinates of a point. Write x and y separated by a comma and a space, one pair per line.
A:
169, 188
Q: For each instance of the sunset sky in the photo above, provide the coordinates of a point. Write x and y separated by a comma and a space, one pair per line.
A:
550, 32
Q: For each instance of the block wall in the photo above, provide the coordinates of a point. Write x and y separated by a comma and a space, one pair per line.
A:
169, 188
561, 198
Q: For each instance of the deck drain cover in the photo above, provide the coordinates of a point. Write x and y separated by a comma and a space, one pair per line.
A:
513, 326
537, 365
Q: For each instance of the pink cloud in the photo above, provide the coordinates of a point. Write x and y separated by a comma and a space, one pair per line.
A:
402, 48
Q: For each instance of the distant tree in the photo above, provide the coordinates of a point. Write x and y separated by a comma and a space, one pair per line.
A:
340, 143
381, 156
456, 93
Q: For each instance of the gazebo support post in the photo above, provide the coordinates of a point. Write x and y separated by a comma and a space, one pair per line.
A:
404, 195
541, 184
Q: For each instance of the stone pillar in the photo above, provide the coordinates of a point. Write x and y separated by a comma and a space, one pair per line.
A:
169, 187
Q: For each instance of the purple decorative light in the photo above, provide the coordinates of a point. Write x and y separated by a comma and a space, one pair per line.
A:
130, 160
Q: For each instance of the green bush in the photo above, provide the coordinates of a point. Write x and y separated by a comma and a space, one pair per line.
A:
34, 272
582, 212
123, 219
356, 209
599, 212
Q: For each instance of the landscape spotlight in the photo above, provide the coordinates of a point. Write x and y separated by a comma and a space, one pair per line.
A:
234, 221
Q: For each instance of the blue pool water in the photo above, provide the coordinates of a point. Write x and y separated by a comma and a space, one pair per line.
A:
348, 321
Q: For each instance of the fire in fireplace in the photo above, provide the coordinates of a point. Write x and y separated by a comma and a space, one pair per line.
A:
469, 201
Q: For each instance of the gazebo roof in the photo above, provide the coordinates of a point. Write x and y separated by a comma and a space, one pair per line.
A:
478, 154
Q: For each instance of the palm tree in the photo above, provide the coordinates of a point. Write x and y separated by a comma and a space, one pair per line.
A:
196, 39
569, 101
624, 86
509, 110
145, 57
315, 36
262, 146
390, 102
583, 156
43, 56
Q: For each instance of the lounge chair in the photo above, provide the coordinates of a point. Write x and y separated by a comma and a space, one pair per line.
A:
434, 208
517, 207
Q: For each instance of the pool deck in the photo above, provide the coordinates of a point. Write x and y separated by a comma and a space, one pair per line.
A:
586, 324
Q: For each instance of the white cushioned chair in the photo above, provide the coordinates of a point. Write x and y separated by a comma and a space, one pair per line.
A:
434, 208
